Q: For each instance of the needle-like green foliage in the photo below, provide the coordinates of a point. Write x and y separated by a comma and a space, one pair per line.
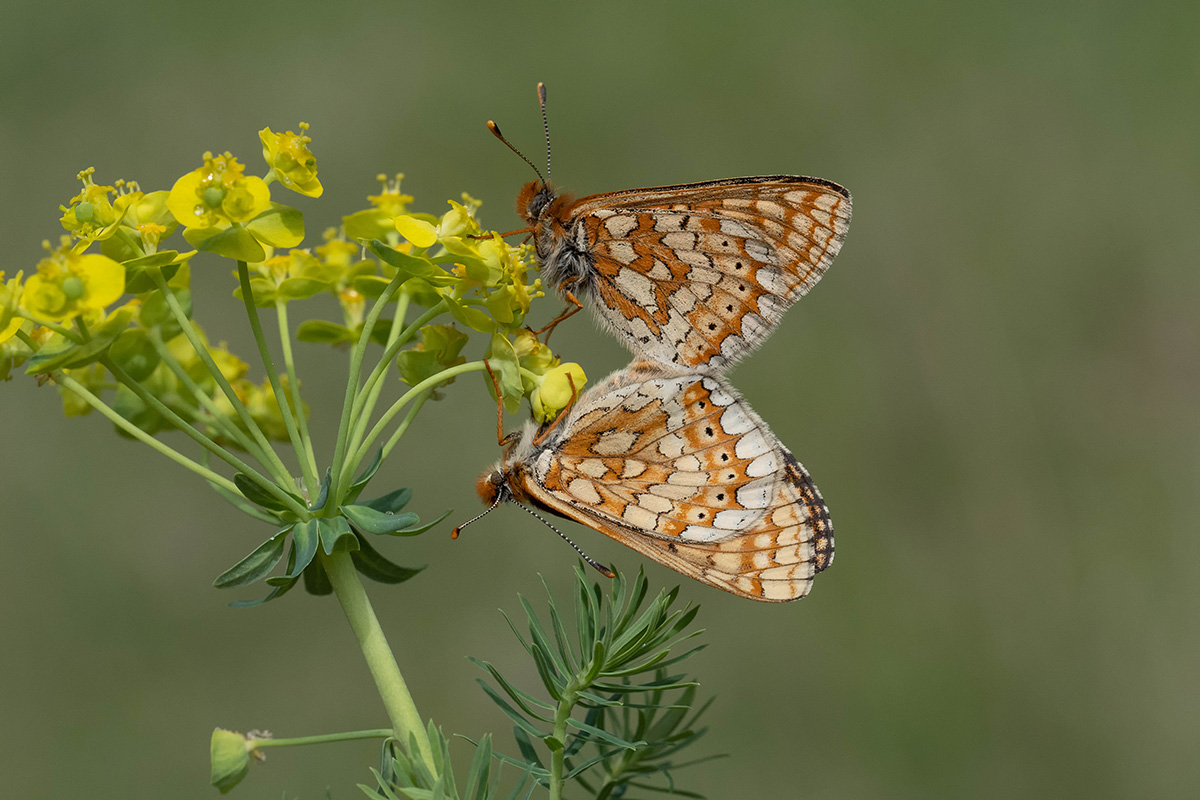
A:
615, 711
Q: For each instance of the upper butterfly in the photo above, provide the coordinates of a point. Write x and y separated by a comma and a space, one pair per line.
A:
694, 275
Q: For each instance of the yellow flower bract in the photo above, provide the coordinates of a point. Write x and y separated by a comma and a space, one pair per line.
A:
68, 285
218, 194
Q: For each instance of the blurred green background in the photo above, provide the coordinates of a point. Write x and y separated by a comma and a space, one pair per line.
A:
995, 386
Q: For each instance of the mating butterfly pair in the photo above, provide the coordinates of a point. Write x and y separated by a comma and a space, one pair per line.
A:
663, 456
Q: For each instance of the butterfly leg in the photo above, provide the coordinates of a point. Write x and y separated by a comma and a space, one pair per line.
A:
501, 439
567, 313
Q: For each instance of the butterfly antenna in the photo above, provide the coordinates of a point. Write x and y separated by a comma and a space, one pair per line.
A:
541, 89
495, 129
603, 570
496, 502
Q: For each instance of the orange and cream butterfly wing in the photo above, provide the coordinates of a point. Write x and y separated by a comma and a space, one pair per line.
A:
679, 468
698, 275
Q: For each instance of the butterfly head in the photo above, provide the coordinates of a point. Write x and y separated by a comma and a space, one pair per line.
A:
534, 199
492, 487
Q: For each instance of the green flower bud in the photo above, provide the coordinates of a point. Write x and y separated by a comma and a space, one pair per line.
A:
84, 212
230, 759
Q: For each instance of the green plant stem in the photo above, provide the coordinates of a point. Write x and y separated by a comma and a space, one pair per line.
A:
558, 757
373, 386
404, 338
61, 330
428, 383
352, 389
220, 420
297, 741
75, 386
401, 711
404, 423
285, 338
274, 465
285, 408
202, 440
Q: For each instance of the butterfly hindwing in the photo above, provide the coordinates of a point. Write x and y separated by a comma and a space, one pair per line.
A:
679, 468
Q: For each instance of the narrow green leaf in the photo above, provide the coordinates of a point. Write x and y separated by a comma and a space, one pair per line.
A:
316, 582
376, 567
281, 584
323, 496
603, 735
553, 682
523, 700
511, 712
479, 770
419, 529
254, 566
369, 520
336, 536
48, 360
365, 476
391, 502
539, 637
258, 495
525, 745
306, 536
586, 765
239, 502
412, 266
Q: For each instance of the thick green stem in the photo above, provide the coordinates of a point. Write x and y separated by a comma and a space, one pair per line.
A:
558, 757
285, 338
406, 722
276, 466
285, 408
75, 386
296, 741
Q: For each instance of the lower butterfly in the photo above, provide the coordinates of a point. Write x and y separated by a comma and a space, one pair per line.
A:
679, 468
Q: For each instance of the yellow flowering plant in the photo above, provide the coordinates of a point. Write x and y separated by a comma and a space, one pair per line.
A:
107, 317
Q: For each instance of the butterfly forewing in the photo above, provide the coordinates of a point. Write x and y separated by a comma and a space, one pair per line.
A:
679, 468
698, 275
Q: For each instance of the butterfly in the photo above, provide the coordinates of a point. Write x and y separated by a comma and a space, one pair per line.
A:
676, 466
694, 275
